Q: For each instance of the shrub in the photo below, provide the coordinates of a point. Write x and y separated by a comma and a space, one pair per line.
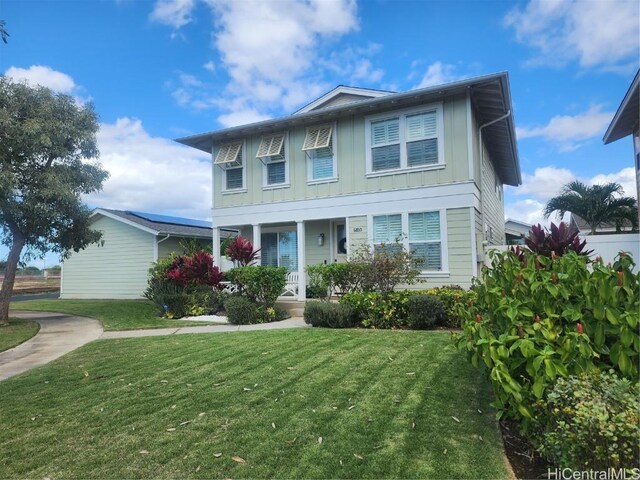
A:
241, 311
592, 422
263, 284
452, 297
196, 269
170, 298
344, 277
326, 314
203, 300
374, 310
538, 318
241, 252
425, 311
557, 241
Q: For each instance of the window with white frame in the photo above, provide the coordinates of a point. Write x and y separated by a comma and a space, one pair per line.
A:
280, 249
272, 152
229, 158
410, 139
424, 239
318, 145
425, 243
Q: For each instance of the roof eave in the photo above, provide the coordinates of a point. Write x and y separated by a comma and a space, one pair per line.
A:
616, 129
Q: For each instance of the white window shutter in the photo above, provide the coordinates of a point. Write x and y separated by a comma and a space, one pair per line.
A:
317, 137
228, 153
270, 145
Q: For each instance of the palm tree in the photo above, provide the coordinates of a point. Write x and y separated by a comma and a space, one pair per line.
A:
596, 204
3, 31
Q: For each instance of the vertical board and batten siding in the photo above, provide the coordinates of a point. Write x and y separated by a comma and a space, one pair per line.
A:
493, 204
357, 232
172, 245
115, 270
351, 167
315, 254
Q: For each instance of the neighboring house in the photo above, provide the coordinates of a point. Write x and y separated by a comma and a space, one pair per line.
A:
626, 122
366, 166
583, 228
118, 266
515, 231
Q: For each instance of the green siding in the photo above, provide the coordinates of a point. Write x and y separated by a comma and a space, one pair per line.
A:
172, 245
459, 248
357, 234
116, 269
493, 203
316, 254
351, 164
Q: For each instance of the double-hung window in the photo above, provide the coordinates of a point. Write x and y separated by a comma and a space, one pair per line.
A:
229, 157
319, 147
404, 140
272, 152
424, 238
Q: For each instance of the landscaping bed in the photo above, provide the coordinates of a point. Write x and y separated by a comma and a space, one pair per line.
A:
313, 403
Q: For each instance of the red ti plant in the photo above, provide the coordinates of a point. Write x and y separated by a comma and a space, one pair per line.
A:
555, 242
241, 252
195, 269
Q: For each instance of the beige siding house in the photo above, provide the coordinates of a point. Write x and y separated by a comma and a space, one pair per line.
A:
366, 166
118, 266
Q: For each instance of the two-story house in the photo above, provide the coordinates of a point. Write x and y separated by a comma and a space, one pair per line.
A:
367, 166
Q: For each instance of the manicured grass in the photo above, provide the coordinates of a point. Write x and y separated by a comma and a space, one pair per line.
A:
114, 314
17, 332
383, 403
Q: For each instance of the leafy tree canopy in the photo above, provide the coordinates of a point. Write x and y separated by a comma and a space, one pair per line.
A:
596, 204
47, 143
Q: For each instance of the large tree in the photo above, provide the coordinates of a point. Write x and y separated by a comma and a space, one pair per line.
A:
48, 149
596, 204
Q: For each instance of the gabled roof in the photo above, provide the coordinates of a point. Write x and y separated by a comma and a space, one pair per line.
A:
342, 94
158, 224
490, 95
626, 119
582, 225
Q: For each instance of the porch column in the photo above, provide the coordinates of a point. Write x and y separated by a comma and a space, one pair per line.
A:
217, 261
257, 237
302, 281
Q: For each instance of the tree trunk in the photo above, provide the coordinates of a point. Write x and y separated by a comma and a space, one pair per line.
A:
10, 274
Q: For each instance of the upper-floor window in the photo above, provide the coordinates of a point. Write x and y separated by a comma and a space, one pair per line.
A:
319, 147
408, 139
230, 158
272, 152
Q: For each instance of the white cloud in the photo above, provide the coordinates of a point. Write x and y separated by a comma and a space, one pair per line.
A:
174, 13
44, 76
567, 130
209, 66
546, 183
438, 73
596, 33
241, 117
151, 173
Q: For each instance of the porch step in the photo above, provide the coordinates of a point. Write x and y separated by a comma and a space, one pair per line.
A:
295, 308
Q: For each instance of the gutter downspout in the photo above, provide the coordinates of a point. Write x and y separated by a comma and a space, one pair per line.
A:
484, 229
155, 248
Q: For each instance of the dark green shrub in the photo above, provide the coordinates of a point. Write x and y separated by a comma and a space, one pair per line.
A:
335, 277
374, 310
203, 300
538, 318
591, 422
263, 284
316, 291
425, 311
453, 297
326, 314
242, 311
170, 298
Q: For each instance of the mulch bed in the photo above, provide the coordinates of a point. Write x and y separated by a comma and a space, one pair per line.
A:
525, 461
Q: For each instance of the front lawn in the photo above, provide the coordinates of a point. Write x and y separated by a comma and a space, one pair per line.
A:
17, 332
114, 314
285, 404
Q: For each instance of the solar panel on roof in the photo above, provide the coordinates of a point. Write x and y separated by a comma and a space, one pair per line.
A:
187, 222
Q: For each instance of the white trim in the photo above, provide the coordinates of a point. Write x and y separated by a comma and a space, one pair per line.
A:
324, 180
112, 216
474, 251
243, 159
270, 150
420, 168
347, 226
453, 195
301, 260
215, 247
402, 114
334, 150
470, 131
363, 92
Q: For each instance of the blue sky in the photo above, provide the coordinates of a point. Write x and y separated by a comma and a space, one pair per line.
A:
157, 70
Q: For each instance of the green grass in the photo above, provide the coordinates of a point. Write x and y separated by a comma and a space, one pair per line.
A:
17, 332
114, 314
163, 407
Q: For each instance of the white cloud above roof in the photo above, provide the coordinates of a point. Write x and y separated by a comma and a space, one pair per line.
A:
595, 33
438, 73
174, 13
45, 76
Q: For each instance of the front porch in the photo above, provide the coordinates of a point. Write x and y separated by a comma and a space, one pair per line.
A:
293, 245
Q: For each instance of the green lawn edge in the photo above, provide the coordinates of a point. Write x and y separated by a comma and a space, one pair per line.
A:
17, 332
115, 315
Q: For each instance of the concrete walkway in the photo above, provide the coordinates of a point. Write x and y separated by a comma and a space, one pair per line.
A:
59, 334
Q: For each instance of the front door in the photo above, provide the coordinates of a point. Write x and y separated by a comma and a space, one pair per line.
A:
339, 242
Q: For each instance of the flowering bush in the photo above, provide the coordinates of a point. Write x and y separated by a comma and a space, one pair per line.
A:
538, 318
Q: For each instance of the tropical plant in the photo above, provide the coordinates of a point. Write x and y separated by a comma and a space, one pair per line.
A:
48, 149
263, 284
240, 251
557, 241
4, 35
595, 204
